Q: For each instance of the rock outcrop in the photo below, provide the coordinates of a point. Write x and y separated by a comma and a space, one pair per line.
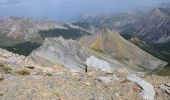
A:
12, 59
165, 88
148, 90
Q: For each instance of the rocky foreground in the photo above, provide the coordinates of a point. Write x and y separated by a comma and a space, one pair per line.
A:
25, 83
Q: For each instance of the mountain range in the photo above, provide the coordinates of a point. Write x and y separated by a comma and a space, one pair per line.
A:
123, 56
70, 45
112, 21
154, 30
25, 34
149, 27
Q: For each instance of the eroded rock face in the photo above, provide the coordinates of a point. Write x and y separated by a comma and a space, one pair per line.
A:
72, 55
63, 52
148, 90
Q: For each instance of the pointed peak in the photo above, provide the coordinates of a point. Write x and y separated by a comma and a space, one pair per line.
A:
105, 30
108, 32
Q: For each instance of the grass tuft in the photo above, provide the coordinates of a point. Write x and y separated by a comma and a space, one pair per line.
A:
1, 94
5, 69
49, 74
1, 79
23, 72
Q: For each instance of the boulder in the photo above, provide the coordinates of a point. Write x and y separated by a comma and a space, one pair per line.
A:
107, 79
148, 90
98, 64
165, 88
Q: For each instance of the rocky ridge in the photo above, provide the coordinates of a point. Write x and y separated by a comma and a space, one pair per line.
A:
70, 54
111, 43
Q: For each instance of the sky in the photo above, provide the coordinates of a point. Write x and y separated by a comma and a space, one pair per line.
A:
64, 10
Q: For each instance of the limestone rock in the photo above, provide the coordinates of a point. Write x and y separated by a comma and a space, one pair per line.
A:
165, 88
148, 90
98, 64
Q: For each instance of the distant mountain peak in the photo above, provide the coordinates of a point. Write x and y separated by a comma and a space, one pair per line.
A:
160, 12
27, 28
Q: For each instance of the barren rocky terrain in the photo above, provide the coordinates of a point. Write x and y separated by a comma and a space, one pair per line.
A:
32, 82
63, 85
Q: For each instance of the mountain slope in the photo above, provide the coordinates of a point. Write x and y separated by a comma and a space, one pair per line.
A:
114, 45
154, 29
22, 35
25, 29
112, 21
67, 53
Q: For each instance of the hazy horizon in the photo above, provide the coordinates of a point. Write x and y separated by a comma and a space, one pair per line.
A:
64, 10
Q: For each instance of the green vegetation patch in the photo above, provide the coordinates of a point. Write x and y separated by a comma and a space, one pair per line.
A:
70, 33
1, 79
1, 94
5, 69
23, 72
22, 48
49, 74
162, 71
98, 50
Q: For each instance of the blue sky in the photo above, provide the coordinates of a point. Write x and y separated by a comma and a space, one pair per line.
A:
66, 9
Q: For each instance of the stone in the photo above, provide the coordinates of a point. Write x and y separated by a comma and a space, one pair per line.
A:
30, 67
148, 90
87, 83
165, 88
107, 79
51, 86
117, 94
100, 98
